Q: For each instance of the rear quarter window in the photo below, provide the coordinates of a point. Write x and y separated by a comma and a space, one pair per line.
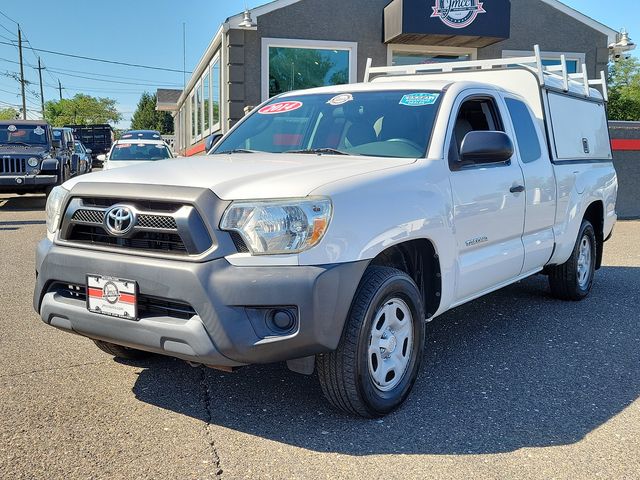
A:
526, 134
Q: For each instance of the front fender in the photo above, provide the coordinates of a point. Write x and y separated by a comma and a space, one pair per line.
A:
50, 165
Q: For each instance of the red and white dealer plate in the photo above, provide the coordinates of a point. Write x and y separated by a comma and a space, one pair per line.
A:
112, 296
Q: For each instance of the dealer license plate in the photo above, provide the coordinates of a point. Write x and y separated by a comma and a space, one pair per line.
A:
112, 296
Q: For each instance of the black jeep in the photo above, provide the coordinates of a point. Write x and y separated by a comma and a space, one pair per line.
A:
31, 159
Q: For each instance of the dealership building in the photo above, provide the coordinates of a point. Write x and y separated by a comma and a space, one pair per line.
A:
294, 44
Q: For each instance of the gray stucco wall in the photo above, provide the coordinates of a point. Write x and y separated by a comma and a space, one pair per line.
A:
627, 165
534, 22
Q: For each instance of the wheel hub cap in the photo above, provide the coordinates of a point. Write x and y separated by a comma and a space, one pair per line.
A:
390, 344
584, 262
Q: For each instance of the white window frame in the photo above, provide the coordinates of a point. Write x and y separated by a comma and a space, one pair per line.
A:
581, 58
193, 120
215, 126
351, 47
429, 50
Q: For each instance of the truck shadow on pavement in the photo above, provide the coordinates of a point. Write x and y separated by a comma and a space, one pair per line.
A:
511, 370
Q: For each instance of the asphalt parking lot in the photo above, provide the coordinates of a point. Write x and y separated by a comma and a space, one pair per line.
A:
514, 385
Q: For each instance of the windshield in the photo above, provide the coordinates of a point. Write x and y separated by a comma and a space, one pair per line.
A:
23, 134
381, 124
139, 151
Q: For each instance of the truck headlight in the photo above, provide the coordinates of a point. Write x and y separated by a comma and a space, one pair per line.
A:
54, 207
279, 226
33, 162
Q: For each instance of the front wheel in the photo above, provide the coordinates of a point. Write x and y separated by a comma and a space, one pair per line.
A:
378, 358
573, 279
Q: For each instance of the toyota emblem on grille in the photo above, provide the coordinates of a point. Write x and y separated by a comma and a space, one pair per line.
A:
119, 220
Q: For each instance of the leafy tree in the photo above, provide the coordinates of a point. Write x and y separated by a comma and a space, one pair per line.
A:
624, 85
81, 110
146, 117
8, 113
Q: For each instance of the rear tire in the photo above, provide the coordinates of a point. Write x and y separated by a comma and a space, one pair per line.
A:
378, 358
573, 279
119, 351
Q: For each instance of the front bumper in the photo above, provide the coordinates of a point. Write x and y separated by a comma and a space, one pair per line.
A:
26, 183
226, 329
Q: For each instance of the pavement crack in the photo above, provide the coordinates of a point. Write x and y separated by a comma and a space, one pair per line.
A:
206, 399
42, 370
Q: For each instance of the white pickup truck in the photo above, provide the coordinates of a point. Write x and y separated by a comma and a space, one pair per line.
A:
330, 224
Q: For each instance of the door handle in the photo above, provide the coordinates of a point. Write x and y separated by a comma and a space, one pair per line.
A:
517, 189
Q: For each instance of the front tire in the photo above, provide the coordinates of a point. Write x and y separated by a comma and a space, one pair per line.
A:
378, 358
573, 279
119, 351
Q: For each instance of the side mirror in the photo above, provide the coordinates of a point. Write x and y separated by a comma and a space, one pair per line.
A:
485, 147
102, 157
56, 143
89, 151
211, 141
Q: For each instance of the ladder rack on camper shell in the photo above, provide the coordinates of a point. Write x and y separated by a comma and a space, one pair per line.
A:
533, 63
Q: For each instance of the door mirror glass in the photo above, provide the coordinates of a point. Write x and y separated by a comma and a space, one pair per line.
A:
485, 147
212, 140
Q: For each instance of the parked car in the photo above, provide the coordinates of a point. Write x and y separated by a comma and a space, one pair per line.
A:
125, 153
330, 224
66, 144
97, 138
84, 155
141, 135
31, 160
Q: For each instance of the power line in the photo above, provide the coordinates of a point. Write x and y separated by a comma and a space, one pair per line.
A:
56, 69
113, 62
8, 17
155, 84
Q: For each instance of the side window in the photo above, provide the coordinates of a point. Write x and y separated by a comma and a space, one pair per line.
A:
476, 114
528, 141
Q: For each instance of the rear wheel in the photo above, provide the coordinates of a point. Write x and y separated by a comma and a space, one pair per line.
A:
378, 358
119, 351
573, 279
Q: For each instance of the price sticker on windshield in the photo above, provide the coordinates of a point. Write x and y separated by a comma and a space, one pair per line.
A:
419, 99
38, 130
280, 107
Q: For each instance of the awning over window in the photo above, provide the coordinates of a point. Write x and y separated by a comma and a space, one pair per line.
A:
453, 23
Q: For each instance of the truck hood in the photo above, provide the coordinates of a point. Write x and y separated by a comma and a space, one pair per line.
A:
21, 150
247, 176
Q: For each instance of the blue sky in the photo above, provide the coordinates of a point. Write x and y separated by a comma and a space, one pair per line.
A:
148, 32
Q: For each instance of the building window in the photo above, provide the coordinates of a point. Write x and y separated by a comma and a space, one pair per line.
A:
398, 55
199, 111
193, 118
215, 94
574, 60
299, 64
207, 103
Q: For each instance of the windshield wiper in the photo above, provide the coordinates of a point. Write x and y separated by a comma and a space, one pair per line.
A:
320, 151
18, 143
236, 150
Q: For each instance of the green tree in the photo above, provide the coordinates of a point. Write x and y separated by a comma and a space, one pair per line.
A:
624, 86
81, 110
8, 113
146, 117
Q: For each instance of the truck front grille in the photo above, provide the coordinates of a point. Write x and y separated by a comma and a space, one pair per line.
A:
159, 227
153, 241
148, 306
13, 166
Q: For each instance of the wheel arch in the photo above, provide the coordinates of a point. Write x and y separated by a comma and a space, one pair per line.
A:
595, 215
419, 259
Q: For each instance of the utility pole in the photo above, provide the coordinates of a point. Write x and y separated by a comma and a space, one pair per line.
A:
41, 89
24, 99
60, 88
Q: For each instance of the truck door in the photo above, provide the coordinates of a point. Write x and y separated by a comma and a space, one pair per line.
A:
539, 179
488, 203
